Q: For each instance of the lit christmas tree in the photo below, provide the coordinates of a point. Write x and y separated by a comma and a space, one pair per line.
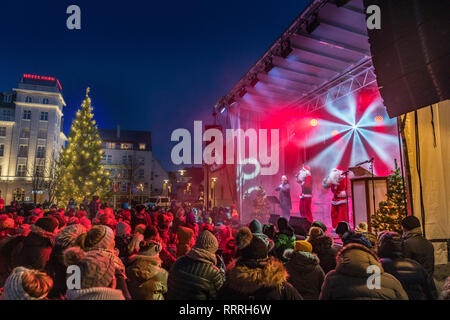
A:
81, 172
392, 211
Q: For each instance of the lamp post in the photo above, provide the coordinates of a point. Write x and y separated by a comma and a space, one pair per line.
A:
213, 186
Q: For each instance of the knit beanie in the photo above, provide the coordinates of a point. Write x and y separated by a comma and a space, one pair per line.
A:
140, 228
67, 236
47, 223
104, 239
97, 267
342, 228
190, 218
314, 233
122, 229
13, 289
410, 222
390, 245
207, 241
303, 245
249, 246
319, 224
255, 226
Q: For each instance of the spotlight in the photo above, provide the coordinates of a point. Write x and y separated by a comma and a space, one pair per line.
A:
285, 48
313, 23
314, 122
355, 127
268, 65
334, 133
378, 119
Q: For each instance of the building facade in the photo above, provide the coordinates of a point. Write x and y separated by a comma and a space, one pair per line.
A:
31, 137
136, 174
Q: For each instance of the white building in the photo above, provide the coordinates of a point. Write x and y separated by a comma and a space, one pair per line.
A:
136, 175
31, 136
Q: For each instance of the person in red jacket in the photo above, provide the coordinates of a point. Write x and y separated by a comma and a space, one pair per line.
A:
337, 182
305, 180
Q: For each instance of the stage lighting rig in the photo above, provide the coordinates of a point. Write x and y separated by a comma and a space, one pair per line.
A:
313, 23
285, 48
254, 80
268, 65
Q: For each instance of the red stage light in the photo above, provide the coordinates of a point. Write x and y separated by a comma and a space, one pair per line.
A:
334, 132
378, 119
314, 122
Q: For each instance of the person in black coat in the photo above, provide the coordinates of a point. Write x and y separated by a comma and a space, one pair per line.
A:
347, 235
255, 275
323, 247
413, 277
415, 246
285, 197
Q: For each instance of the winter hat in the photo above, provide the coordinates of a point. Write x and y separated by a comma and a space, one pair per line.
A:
140, 228
67, 236
207, 241
314, 233
302, 245
207, 226
319, 224
150, 232
243, 237
150, 248
342, 228
47, 223
73, 220
6, 222
190, 218
122, 229
256, 249
99, 237
14, 289
410, 222
97, 267
390, 245
164, 221
255, 226
125, 206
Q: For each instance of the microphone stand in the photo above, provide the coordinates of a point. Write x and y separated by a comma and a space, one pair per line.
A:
373, 187
346, 194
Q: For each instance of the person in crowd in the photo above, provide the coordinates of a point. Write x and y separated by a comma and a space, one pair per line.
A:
125, 214
82, 217
285, 238
26, 284
418, 284
255, 275
101, 238
269, 230
305, 272
320, 225
55, 267
347, 235
256, 229
97, 275
7, 226
147, 280
223, 233
123, 239
323, 247
151, 234
363, 229
349, 281
186, 240
140, 216
445, 294
415, 246
33, 251
196, 275
191, 222
168, 238
314, 233
94, 207
138, 236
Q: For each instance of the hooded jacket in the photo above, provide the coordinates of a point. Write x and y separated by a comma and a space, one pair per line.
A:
305, 273
350, 279
416, 247
258, 280
146, 279
323, 247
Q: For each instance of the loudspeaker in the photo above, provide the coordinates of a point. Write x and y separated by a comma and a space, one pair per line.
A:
273, 219
411, 53
300, 225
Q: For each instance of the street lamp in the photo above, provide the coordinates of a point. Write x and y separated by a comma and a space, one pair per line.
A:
213, 186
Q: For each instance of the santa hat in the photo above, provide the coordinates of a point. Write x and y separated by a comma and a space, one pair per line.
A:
339, 168
307, 168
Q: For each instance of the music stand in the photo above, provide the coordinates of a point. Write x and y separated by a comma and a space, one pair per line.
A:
273, 200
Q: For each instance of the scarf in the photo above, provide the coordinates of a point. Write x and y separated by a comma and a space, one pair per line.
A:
202, 255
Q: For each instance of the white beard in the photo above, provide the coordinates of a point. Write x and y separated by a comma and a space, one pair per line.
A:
302, 175
336, 176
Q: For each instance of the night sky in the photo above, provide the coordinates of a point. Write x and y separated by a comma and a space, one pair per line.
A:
151, 65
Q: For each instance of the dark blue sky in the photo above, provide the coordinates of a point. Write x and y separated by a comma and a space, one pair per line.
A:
151, 65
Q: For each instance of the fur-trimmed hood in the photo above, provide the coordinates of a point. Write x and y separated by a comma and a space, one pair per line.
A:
145, 267
354, 259
269, 274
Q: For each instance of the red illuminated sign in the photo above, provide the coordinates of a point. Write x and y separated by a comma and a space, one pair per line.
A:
36, 77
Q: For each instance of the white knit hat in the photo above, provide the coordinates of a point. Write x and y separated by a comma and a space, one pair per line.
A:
13, 289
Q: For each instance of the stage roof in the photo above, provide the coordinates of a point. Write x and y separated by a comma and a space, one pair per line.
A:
328, 62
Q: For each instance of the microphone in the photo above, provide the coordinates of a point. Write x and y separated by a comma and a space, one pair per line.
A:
367, 161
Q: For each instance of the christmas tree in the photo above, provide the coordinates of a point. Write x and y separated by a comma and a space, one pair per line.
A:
392, 211
81, 171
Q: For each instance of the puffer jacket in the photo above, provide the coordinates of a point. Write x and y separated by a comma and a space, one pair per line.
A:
415, 280
323, 247
258, 280
416, 247
305, 273
146, 279
350, 279
194, 280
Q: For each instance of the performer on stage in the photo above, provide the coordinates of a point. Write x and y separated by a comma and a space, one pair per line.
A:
337, 182
305, 180
285, 197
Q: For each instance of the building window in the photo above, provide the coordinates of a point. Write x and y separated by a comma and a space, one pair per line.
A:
40, 152
45, 101
2, 131
141, 173
28, 99
124, 187
7, 98
27, 114
39, 171
23, 151
19, 194
21, 170
126, 146
6, 115
110, 145
104, 157
109, 159
44, 115
142, 161
42, 134
141, 146
113, 172
25, 133
2, 149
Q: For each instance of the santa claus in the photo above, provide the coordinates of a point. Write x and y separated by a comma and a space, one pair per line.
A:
305, 180
337, 182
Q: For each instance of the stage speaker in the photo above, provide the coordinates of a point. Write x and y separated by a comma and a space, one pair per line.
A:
411, 53
300, 225
273, 219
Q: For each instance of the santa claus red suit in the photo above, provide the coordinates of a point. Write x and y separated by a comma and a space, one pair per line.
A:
305, 180
336, 181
